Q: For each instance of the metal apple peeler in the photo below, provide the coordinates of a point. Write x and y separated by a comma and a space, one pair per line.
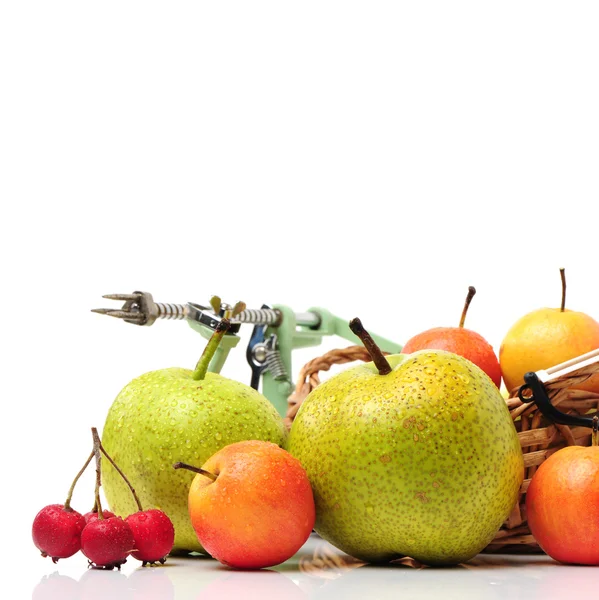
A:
277, 331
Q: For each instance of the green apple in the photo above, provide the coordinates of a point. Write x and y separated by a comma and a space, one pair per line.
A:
175, 415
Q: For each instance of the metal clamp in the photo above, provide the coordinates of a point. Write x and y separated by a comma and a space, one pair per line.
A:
200, 314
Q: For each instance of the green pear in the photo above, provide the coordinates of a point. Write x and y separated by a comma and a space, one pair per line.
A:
412, 455
175, 415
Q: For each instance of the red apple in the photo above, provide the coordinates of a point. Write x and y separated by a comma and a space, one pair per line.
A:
251, 505
459, 340
562, 505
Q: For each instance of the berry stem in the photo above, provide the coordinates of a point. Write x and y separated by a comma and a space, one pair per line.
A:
109, 458
98, 456
378, 358
562, 273
211, 347
67, 504
180, 465
471, 292
595, 434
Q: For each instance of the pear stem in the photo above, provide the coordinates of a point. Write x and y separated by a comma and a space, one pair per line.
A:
98, 456
135, 496
378, 358
471, 292
211, 347
562, 273
595, 434
180, 465
67, 504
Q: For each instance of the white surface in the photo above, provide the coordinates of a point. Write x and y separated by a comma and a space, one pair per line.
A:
306, 576
371, 158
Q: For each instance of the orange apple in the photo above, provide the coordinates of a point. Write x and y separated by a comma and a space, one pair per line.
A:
459, 340
251, 505
547, 337
562, 505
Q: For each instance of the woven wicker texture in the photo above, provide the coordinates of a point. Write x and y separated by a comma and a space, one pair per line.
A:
538, 437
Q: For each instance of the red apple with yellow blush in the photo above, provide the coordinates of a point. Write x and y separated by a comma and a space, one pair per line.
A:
459, 340
251, 505
562, 505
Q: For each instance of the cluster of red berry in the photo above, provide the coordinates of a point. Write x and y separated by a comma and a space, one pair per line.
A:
106, 540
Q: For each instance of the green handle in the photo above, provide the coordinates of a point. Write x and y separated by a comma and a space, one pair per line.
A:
290, 336
229, 341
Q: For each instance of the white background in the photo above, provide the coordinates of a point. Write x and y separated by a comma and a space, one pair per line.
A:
373, 158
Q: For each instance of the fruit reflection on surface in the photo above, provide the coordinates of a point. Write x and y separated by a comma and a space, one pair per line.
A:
459, 340
179, 414
547, 337
56, 587
562, 504
261, 585
104, 585
423, 460
251, 505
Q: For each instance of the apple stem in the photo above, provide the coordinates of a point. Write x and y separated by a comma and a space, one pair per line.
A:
562, 273
98, 456
67, 504
378, 358
595, 436
471, 292
109, 458
180, 465
213, 343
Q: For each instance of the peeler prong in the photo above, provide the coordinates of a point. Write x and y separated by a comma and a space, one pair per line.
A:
120, 314
123, 297
102, 311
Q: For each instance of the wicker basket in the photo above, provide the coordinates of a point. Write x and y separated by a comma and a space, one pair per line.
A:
538, 437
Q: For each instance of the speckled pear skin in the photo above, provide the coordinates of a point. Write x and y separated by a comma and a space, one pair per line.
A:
423, 462
166, 416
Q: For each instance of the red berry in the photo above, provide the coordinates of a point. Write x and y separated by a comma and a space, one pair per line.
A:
92, 516
154, 535
57, 531
107, 542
